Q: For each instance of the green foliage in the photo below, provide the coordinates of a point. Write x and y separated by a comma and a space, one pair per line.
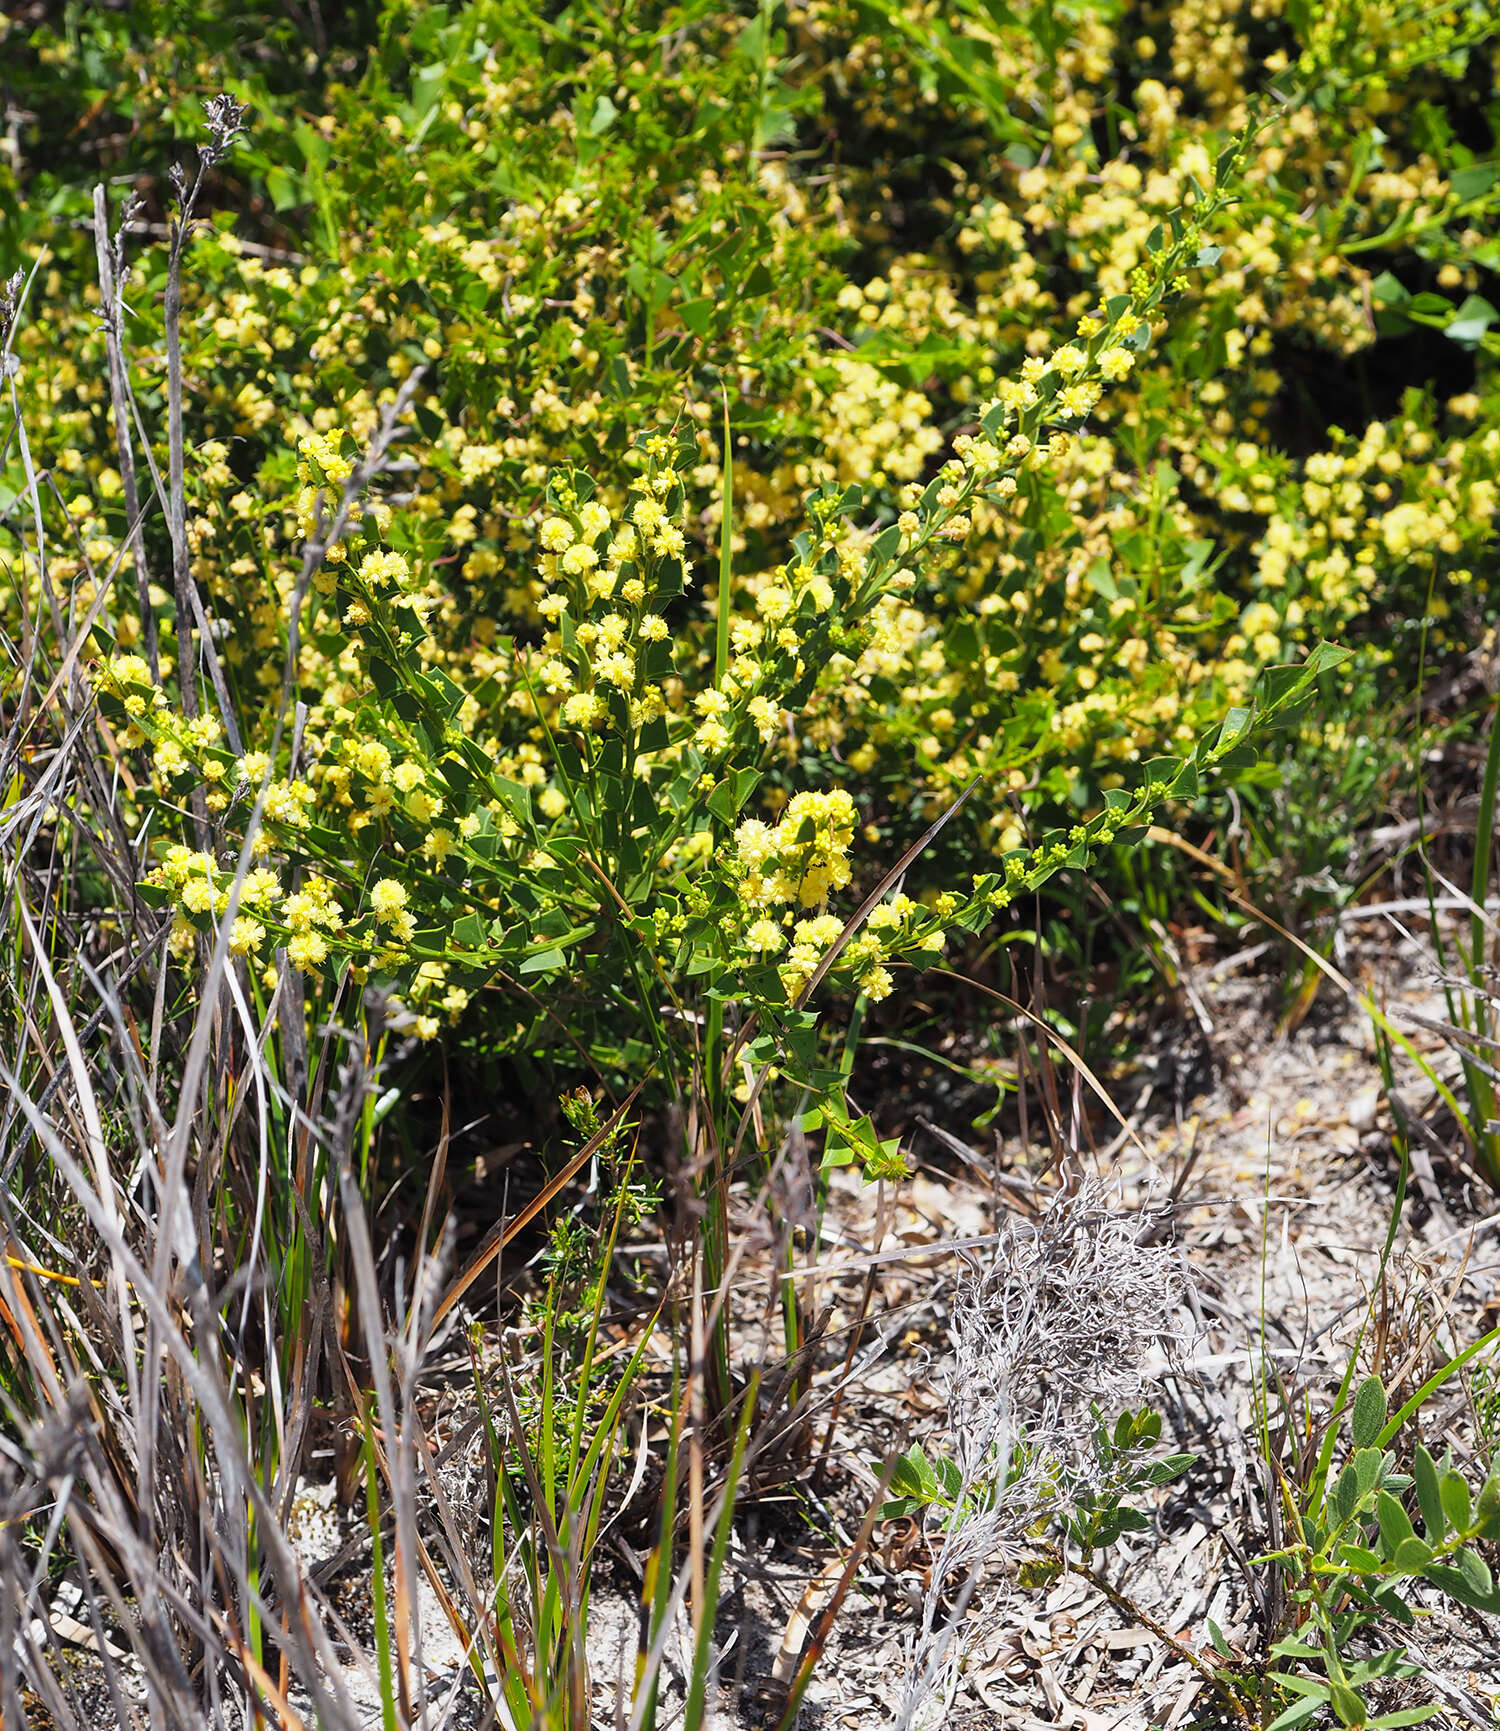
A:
565, 220
1360, 1541
621, 529
1090, 1506
1129, 1466
445, 821
747, 599
553, 1445
609, 531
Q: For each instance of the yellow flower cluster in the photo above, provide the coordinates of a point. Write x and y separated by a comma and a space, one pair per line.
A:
804, 858
800, 862
1131, 523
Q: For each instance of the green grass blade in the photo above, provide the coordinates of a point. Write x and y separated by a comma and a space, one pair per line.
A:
656, 1586
1434, 1383
377, 1585
703, 1647
1484, 834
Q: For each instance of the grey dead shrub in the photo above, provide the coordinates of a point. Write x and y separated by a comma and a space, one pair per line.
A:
1072, 1317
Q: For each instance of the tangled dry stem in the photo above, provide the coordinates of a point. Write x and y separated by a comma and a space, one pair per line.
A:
1074, 1316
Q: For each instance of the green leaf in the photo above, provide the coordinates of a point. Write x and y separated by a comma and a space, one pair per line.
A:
1162, 1472
1454, 1490
1348, 1704
1160, 771
1430, 308
1239, 757
1369, 1465
1429, 1496
1369, 1411
427, 85
1487, 1514
1471, 321
470, 932
915, 1477
1412, 1555
542, 962
912, 1474
1470, 1582
759, 282
1324, 657
698, 316
1359, 1561
1278, 686
285, 192
1346, 1493
1289, 1647
1235, 724
896, 1507
721, 802
1474, 182
1474, 1570
1395, 1525
1299, 1710
1388, 292
1395, 1607
951, 1477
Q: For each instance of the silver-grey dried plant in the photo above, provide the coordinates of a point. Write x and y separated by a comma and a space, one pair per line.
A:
1072, 1317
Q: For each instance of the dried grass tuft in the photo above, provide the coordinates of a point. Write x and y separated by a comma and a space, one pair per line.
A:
1074, 1314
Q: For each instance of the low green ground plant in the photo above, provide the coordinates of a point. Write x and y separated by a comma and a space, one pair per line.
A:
1355, 1555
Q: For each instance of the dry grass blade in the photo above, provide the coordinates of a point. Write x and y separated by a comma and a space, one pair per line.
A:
111, 287
1073, 1057
1321, 963
823, 1628
504, 1231
317, 1655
